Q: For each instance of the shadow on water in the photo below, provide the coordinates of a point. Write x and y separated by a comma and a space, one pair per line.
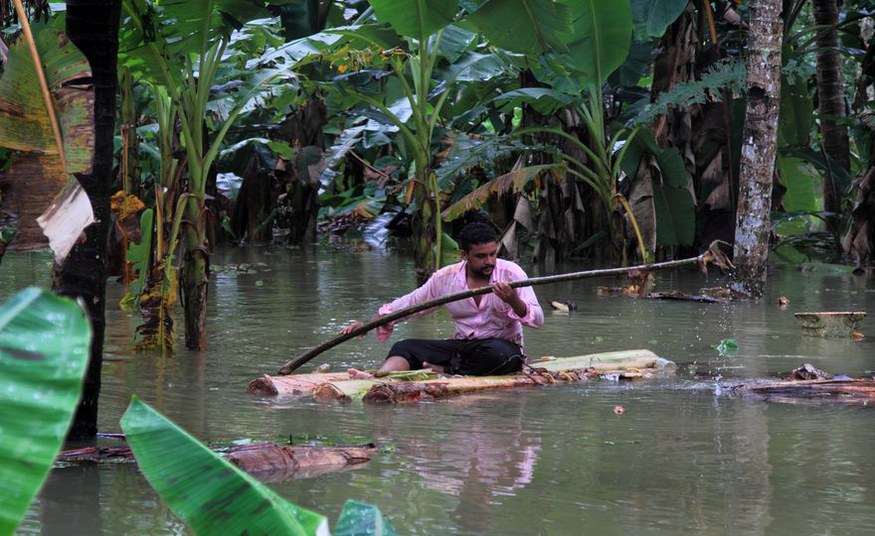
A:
683, 458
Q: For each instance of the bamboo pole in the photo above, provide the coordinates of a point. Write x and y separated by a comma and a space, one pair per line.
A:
713, 255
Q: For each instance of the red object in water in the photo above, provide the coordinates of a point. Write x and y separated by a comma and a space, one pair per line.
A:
619, 410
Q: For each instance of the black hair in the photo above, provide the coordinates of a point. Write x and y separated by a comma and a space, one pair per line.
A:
476, 233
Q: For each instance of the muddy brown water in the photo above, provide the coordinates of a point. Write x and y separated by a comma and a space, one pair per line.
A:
684, 458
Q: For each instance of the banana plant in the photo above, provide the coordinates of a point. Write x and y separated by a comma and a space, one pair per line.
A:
181, 47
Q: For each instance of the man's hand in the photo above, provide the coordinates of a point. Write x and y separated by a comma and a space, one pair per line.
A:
508, 295
355, 324
383, 332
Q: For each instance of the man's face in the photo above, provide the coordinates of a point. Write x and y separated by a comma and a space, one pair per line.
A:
481, 259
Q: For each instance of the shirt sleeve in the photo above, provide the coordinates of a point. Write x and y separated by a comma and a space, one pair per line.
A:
534, 317
428, 291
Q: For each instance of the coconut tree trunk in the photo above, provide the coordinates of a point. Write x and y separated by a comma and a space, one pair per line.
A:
92, 25
831, 104
759, 147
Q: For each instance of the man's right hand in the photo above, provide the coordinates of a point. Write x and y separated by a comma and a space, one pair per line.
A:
355, 324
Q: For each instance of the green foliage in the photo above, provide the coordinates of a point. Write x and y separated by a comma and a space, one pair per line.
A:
215, 497
415, 18
652, 17
140, 255
728, 75
599, 39
528, 26
209, 493
801, 198
44, 343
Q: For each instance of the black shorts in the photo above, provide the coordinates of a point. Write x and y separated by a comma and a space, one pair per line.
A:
476, 357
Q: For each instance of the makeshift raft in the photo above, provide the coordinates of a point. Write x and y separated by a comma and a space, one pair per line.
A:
426, 385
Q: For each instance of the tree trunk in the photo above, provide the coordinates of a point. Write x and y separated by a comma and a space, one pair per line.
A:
831, 105
92, 25
196, 276
759, 146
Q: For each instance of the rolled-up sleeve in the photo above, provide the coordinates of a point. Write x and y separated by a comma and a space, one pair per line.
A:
534, 317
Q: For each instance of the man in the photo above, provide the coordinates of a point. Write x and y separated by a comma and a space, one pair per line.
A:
489, 335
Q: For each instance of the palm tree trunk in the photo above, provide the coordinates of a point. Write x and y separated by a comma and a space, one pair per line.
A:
831, 104
92, 25
759, 147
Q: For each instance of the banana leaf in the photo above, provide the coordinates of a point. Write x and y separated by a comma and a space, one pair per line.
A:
50, 147
44, 341
209, 493
362, 519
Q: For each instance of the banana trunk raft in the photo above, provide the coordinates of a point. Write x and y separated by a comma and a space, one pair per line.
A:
411, 386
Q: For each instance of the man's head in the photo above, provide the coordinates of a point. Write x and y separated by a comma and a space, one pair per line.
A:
479, 246
475, 234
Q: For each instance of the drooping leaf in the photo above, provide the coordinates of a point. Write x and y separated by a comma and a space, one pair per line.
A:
44, 342
362, 519
209, 493
675, 216
529, 26
516, 180
652, 17
415, 18
797, 112
24, 121
64, 221
37, 174
139, 254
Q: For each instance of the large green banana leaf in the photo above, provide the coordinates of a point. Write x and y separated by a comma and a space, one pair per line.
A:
600, 37
415, 18
530, 26
44, 342
209, 493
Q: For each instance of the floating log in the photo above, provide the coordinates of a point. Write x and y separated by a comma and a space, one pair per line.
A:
620, 365
268, 462
836, 324
674, 295
807, 384
284, 462
294, 385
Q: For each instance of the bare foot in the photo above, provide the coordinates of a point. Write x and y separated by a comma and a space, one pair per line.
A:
356, 374
436, 368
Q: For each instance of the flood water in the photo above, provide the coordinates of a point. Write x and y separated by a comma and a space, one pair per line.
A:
685, 457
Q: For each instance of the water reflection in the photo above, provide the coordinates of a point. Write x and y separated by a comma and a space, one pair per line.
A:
479, 454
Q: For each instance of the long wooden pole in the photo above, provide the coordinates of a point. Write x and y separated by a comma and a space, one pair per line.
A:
713, 255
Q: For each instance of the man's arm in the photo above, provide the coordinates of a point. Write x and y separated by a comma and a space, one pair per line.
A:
428, 291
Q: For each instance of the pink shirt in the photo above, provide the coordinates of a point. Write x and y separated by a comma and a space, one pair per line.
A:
492, 318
